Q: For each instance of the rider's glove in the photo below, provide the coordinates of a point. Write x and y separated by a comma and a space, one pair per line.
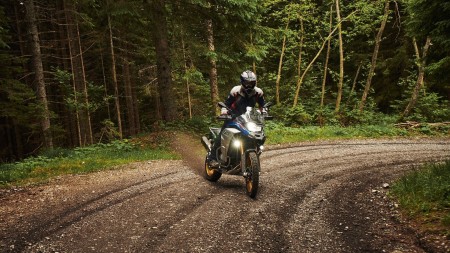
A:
223, 111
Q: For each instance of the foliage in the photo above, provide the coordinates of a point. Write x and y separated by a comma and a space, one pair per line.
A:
431, 18
247, 35
425, 192
430, 107
109, 131
292, 116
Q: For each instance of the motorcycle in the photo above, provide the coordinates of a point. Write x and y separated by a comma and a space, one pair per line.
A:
241, 144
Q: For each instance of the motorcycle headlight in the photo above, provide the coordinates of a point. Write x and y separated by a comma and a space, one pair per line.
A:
236, 143
252, 127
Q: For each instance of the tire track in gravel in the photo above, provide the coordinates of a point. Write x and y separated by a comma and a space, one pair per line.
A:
420, 157
362, 232
45, 227
313, 210
298, 198
308, 194
291, 189
153, 237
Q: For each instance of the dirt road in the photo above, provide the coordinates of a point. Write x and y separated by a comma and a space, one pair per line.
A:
314, 197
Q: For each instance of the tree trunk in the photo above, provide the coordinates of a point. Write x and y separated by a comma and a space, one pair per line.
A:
88, 127
280, 65
374, 56
341, 59
18, 140
128, 96
71, 132
114, 75
137, 120
325, 68
213, 68
188, 92
78, 77
253, 62
317, 56
105, 86
299, 62
77, 136
38, 72
421, 62
164, 70
355, 80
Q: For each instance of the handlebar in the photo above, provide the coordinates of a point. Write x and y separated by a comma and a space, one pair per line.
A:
230, 117
224, 117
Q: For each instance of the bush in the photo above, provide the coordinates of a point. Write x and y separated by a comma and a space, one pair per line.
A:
430, 108
291, 116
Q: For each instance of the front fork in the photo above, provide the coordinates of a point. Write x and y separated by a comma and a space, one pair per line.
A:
246, 171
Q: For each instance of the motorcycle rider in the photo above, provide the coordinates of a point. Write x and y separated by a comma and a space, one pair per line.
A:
241, 97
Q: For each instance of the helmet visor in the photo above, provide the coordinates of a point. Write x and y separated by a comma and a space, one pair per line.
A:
249, 84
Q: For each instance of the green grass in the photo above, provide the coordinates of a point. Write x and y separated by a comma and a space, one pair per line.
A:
280, 134
81, 160
425, 195
155, 146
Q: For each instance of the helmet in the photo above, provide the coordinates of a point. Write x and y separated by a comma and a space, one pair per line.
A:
248, 81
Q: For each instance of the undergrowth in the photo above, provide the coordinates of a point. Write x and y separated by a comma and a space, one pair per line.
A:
281, 134
96, 157
100, 156
425, 195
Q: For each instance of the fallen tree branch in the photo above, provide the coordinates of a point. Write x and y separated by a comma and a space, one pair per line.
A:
414, 124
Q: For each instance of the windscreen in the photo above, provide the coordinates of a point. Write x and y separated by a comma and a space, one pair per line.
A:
252, 115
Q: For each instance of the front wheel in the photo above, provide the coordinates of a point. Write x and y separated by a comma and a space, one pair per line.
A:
252, 179
211, 174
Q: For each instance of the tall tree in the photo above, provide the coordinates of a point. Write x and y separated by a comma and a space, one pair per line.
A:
80, 92
115, 81
373, 63
327, 57
280, 63
164, 69
341, 58
132, 127
17, 100
214, 90
299, 62
324, 42
38, 70
431, 18
421, 64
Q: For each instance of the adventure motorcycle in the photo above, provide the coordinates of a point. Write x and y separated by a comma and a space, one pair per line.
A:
241, 144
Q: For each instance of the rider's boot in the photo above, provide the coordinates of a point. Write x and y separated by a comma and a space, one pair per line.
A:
212, 157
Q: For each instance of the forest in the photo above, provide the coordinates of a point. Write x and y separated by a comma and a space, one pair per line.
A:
78, 72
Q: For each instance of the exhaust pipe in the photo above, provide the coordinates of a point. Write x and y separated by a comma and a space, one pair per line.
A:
206, 143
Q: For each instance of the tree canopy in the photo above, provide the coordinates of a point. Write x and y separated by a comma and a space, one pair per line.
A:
113, 69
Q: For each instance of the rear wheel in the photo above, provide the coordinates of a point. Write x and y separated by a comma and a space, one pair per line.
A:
210, 173
252, 179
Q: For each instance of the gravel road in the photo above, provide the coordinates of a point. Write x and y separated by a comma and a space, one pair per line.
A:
313, 197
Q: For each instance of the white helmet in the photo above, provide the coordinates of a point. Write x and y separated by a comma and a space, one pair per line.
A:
248, 81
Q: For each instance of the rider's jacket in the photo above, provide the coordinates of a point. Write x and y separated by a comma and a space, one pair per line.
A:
238, 100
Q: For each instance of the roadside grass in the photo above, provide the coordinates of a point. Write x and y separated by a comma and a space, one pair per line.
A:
282, 134
156, 146
83, 160
424, 195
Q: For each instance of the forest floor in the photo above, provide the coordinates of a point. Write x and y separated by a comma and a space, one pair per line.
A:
328, 196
